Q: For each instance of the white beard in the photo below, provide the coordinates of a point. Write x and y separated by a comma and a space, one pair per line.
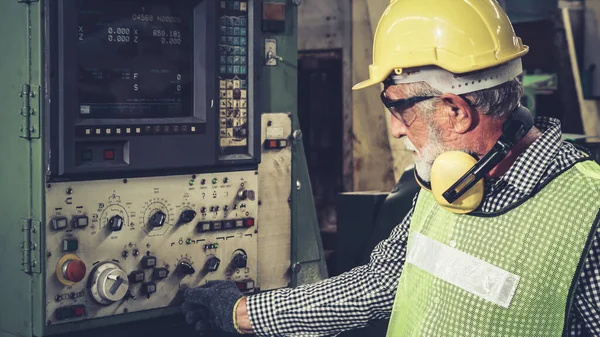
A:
424, 159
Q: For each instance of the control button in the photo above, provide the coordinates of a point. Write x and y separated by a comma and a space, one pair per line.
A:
212, 264
148, 262
115, 223
69, 312
240, 260
59, 223
70, 245
109, 154
275, 144
229, 224
160, 273
157, 219
203, 210
226, 208
239, 223
137, 276
215, 180
225, 180
80, 221
87, 155
149, 288
186, 268
249, 222
74, 270
217, 226
187, 216
245, 285
204, 226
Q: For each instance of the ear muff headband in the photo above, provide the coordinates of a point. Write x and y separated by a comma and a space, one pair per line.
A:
466, 193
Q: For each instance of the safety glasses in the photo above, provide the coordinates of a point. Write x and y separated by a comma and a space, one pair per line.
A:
399, 108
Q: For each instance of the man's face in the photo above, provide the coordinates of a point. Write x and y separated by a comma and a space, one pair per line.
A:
427, 133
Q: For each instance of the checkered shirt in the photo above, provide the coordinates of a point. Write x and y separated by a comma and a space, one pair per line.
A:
357, 298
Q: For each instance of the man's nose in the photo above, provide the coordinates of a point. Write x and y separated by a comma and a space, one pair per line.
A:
398, 128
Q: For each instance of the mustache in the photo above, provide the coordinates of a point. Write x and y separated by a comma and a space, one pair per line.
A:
409, 145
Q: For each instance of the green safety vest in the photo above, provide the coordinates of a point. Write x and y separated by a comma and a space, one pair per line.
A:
511, 273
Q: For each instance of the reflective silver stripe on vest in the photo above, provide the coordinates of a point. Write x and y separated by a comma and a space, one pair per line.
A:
462, 270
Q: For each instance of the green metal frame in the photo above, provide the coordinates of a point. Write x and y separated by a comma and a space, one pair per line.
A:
22, 172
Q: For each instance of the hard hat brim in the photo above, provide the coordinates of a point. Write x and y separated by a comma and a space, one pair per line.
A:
367, 83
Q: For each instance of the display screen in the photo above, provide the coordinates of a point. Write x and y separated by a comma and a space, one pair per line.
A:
135, 59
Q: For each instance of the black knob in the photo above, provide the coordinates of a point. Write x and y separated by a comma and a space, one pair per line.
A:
187, 216
240, 260
212, 264
186, 268
203, 210
157, 219
115, 223
242, 194
226, 208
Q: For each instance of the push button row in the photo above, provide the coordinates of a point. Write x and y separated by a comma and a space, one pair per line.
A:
211, 226
69, 312
61, 222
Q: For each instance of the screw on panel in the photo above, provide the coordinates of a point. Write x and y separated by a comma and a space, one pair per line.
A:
297, 134
259, 202
255, 173
296, 267
48, 254
298, 185
125, 181
269, 123
48, 186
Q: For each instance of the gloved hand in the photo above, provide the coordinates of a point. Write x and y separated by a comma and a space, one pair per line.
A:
211, 307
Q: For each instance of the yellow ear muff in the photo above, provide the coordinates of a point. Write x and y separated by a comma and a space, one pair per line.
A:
448, 168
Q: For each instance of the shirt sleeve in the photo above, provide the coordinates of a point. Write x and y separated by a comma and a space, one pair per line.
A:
588, 290
351, 300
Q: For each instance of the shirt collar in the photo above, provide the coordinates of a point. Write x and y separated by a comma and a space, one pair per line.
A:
529, 168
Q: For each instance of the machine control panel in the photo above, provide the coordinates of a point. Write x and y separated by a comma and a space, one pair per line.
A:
119, 246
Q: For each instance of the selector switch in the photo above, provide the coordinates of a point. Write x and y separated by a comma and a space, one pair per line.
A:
149, 262
240, 260
212, 264
157, 219
185, 267
187, 216
160, 273
115, 223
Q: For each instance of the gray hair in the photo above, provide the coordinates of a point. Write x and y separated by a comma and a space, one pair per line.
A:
496, 101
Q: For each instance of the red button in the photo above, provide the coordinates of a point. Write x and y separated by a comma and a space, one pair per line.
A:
273, 144
75, 270
109, 154
249, 222
79, 310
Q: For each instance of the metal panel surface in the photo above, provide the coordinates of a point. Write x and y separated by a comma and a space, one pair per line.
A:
15, 173
275, 174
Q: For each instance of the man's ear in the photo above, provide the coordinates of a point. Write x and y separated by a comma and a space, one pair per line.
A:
459, 113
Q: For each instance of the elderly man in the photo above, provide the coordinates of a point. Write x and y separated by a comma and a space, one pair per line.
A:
502, 239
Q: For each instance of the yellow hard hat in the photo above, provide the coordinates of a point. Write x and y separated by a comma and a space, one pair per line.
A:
459, 36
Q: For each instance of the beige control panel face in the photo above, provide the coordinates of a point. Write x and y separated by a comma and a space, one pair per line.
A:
119, 246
